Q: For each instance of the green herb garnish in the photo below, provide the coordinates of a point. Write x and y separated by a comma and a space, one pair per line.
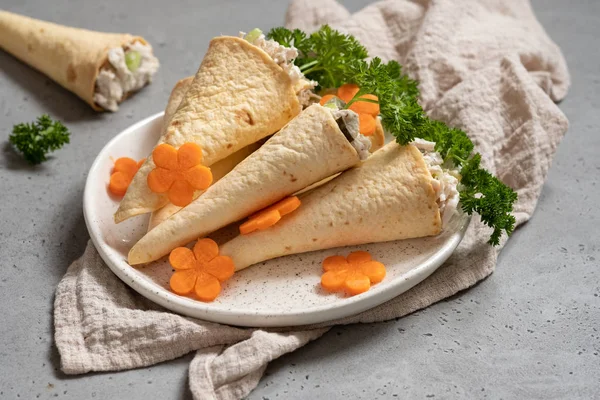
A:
332, 59
37, 139
324, 56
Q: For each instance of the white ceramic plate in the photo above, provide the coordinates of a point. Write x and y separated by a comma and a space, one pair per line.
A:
280, 292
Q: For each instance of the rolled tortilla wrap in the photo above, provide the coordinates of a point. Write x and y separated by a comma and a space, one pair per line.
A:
310, 148
218, 169
72, 57
238, 96
388, 197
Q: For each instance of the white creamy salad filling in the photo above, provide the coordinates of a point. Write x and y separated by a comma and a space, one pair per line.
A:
350, 127
444, 181
128, 69
284, 57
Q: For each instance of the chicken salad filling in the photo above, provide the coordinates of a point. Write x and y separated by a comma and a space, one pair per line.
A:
127, 69
284, 57
445, 181
347, 121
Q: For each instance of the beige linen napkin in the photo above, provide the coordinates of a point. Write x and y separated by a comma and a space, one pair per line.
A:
486, 66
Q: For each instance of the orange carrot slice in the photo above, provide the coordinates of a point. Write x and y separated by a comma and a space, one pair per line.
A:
123, 171
333, 281
200, 270
179, 172
367, 124
200, 177
182, 258
206, 250
359, 257
335, 263
183, 282
119, 182
180, 193
220, 267
126, 165
357, 283
347, 91
165, 156
374, 270
160, 180
189, 155
207, 287
270, 215
354, 274
326, 98
364, 107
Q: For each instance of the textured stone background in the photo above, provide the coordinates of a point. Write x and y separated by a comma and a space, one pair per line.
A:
531, 330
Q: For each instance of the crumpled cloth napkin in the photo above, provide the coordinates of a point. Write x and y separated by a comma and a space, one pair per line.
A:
486, 66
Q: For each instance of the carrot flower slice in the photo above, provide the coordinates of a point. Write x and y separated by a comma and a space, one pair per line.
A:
365, 107
179, 172
124, 170
270, 215
367, 124
200, 271
347, 91
354, 274
326, 98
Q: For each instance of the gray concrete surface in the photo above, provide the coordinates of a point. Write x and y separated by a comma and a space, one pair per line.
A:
531, 330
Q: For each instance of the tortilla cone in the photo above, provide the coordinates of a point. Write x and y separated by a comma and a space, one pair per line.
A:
221, 168
388, 197
70, 56
218, 169
238, 96
310, 148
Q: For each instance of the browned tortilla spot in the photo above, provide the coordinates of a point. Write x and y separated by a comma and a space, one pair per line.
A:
30, 47
71, 73
245, 116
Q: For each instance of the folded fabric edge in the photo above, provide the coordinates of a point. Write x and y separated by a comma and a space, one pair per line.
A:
75, 354
232, 373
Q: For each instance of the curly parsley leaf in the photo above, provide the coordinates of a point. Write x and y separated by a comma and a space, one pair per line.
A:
324, 55
400, 111
480, 191
487, 196
37, 139
289, 38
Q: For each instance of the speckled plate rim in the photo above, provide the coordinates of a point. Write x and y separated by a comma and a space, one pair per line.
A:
248, 317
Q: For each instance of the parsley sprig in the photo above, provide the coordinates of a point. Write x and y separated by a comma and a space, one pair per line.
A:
37, 139
324, 56
332, 58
